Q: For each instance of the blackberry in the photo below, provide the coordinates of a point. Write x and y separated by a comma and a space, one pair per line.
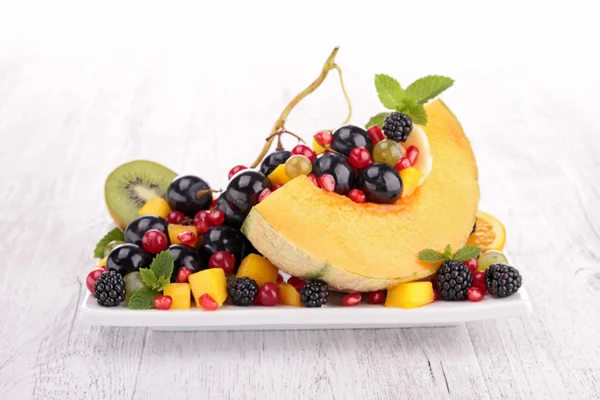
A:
502, 280
453, 280
314, 293
397, 126
109, 290
243, 291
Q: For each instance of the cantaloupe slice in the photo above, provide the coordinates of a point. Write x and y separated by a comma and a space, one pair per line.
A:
310, 233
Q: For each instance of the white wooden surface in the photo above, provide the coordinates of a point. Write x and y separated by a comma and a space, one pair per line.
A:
83, 89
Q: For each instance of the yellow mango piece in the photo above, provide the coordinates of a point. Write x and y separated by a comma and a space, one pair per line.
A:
317, 147
258, 268
410, 295
289, 296
278, 176
211, 281
101, 263
410, 180
155, 206
175, 229
181, 295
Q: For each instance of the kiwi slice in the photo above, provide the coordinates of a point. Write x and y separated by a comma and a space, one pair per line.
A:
131, 185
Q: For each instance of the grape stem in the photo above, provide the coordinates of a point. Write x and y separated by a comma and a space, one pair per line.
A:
279, 126
201, 193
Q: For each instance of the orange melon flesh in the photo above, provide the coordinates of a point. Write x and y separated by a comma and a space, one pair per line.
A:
313, 234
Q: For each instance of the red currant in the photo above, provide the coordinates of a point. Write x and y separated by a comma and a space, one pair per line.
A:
187, 237
479, 281
296, 282
472, 264
279, 279
155, 241
175, 217
224, 260
436, 295
208, 303
357, 196
92, 278
402, 164
202, 215
216, 217
376, 134
351, 299
412, 153
268, 294
327, 182
202, 227
263, 195
235, 170
183, 275
377, 297
475, 294
304, 150
324, 138
163, 302
359, 157
314, 180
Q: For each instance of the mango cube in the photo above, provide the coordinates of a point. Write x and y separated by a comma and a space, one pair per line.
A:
181, 295
289, 296
317, 147
175, 230
410, 180
155, 206
278, 176
258, 268
410, 295
211, 281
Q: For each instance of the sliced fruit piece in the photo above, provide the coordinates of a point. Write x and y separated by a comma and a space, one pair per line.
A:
410, 180
181, 295
491, 257
289, 296
101, 263
210, 281
131, 185
155, 206
279, 176
317, 147
310, 233
176, 230
258, 268
490, 233
410, 295
420, 140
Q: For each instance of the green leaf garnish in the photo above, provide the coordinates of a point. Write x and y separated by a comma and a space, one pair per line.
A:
115, 234
467, 253
148, 277
389, 91
377, 119
158, 276
431, 256
464, 254
417, 113
448, 252
143, 299
429, 87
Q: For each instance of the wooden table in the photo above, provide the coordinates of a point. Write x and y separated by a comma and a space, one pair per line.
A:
79, 97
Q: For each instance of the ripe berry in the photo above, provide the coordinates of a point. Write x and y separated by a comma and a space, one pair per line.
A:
376, 134
296, 282
202, 227
275, 187
377, 297
475, 294
327, 182
235, 170
402, 164
224, 260
155, 241
357, 196
324, 138
351, 299
216, 217
268, 294
279, 279
359, 157
412, 153
304, 150
263, 195
314, 180
163, 302
202, 215
436, 295
187, 237
208, 303
479, 281
472, 264
92, 278
175, 217
183, 275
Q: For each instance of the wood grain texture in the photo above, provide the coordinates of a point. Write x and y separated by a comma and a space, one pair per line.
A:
77, 99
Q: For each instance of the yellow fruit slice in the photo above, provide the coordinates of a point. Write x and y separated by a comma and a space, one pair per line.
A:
175, 229
278, 176
211, 281
155, 206
410, 180
490, 233
289, 296
317, 147
258, 268
181, 295
410, 295
101, 263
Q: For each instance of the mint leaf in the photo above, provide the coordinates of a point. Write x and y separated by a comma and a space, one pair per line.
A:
389, 91
148, 278
431, 256
377, 119
161, 283
143, 299
162, 265
467, 253
425, 89
418, 114
115, 234
448, 252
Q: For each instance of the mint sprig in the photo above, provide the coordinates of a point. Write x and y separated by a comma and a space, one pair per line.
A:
155, 279
143, 299
115, 234
466, 253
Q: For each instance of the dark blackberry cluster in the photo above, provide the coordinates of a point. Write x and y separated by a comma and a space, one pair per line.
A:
109, 289
242, 291
397, 126
502, 280
454, 280
314, 293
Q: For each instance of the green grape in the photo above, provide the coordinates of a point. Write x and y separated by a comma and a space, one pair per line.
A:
491, 257
111, 246
297, 165
133, 283
388, 152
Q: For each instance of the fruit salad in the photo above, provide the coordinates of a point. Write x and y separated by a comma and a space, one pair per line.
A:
385, 213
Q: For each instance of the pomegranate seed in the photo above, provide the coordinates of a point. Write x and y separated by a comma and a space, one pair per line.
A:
324, 138
472, 264
208, 303
304, 150
202, 227
412, 153
188, 238
175, 217
357, 196
235, 170
359, 157
436, 295
351, 299
275, 187
327, 182
376, 134
479, 281
216, 217
183, 274
377, 297
224, 260
92, 278
296, 282
263, 195
202, 215
163, 302
154, 241
268, 294
314, 180
475, 294
402, 164
279, 279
